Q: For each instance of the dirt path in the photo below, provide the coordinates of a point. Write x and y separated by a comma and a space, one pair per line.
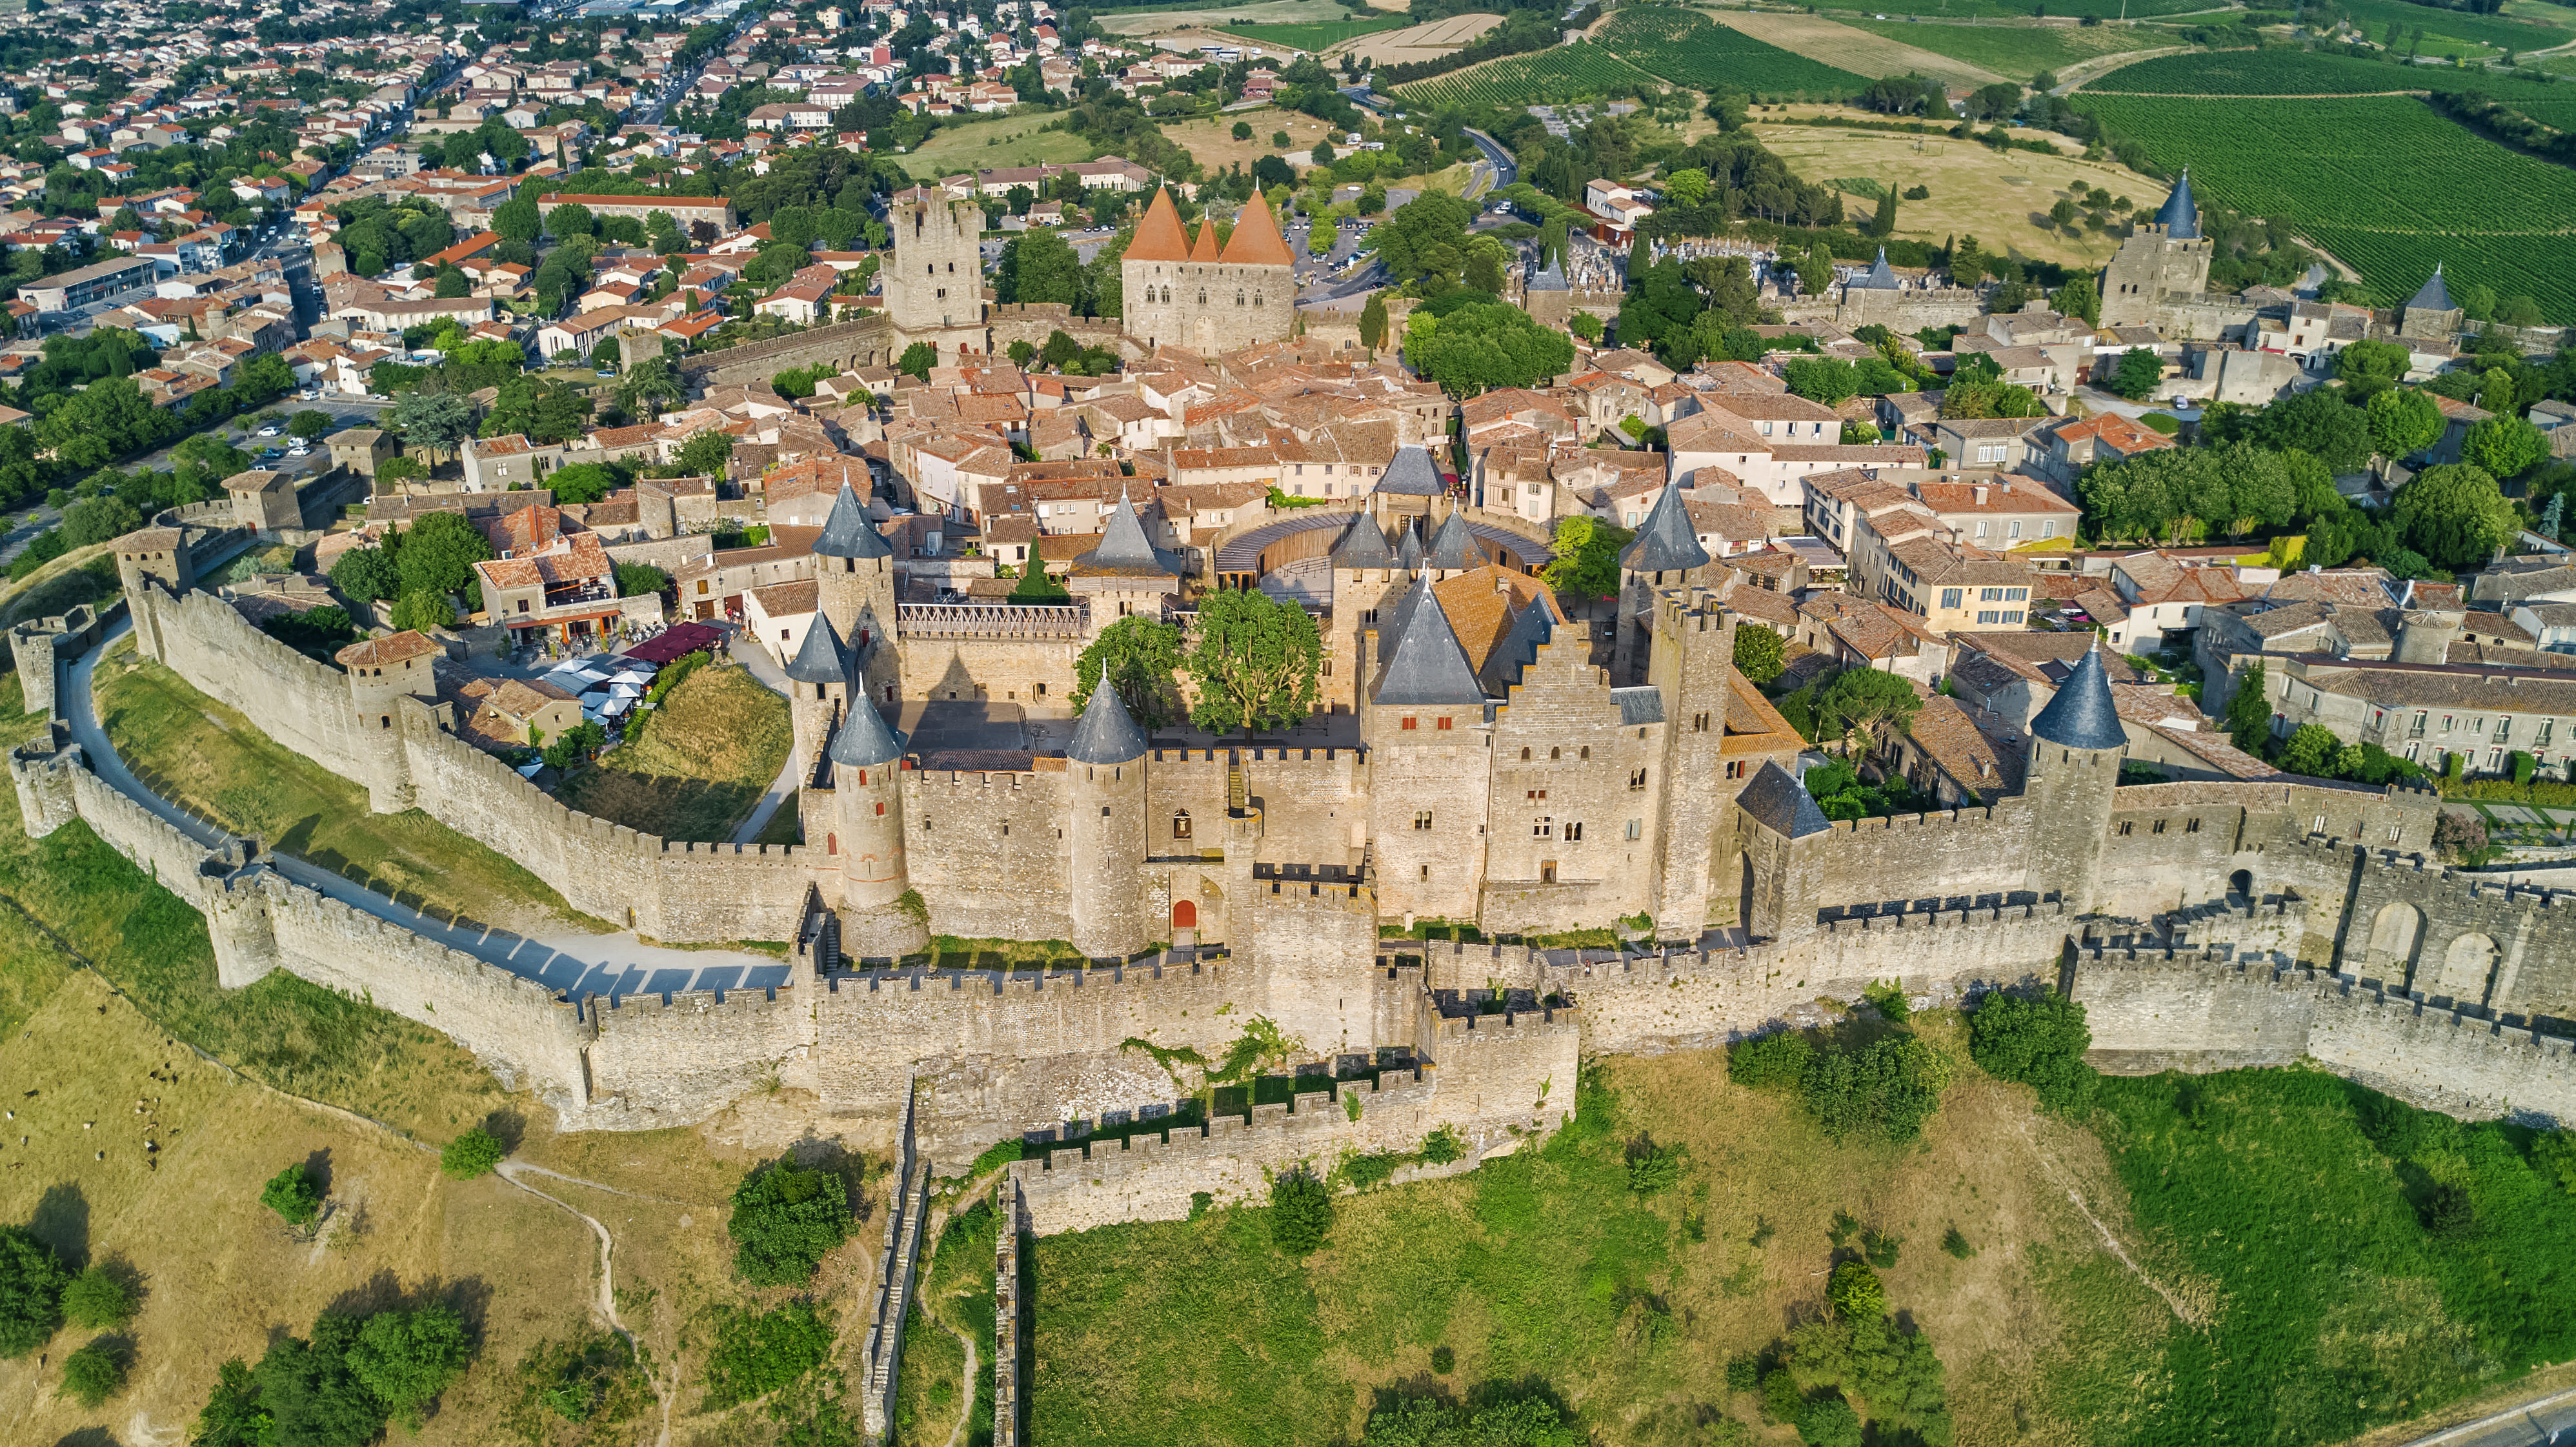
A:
2073, 77
2181, 1312
966, 1411
511, 1171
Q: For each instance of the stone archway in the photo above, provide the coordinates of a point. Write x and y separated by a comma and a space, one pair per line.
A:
2466, 968
2241, 884
2394, 935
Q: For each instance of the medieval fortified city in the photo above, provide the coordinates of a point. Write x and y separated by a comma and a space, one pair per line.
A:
1372, 723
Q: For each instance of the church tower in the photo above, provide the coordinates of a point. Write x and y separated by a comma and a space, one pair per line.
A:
2076, 747
2430, 315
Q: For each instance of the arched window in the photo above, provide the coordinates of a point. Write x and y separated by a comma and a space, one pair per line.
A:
1238, 297
930, 268
1256, 298
1203, 296
831, 843
1587, 753
1525, 756
1555, 754
1181, 824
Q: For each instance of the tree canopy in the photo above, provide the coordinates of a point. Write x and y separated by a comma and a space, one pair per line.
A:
2455, 515
1479, 347
785, 1220
1255, 659
1142, 658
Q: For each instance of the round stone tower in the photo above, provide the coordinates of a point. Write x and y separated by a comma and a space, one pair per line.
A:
1106, 827
380, 672
866, 841
818, 689
855, 573
2077, 745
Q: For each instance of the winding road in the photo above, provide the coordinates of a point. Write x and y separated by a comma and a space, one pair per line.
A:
615, 965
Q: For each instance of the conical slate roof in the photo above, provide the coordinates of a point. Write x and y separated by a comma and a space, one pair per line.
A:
864, 740
1361, 545
2433, 296
1408, 548
1779, 803
2180, 217
1123, 544
1159, 237
847, 533
1879, 277
1427, 666
1550, 277
1455, 546
1105, 735
1666, 539
1256, 240
2082, 715
819, 658
1411, 474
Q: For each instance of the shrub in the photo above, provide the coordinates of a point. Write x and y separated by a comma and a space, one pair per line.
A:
1781, 1399
1888, 998
756, 1353
1770, 1062
1444, 1145
98, 1300
472, 1154
93, 1374
1829, 1422
31, 1291
1443, 1360
1957, 1244
1856, 1291
1891, 1085
406, 1358
292, 1194
1301, 1212
1653, 1168
1200, 1203
785, 1221
2040, 1042
1743, 1372
1880, 1249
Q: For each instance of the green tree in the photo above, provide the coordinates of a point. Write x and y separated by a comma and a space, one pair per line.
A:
94, 1373
2249, 709
1424, 245
437, 421
518, 219
420, 610
1861, 700
640, 580
406, 1358
2505, 446
97, 519
569, 749
1255, 659
366, 575
438, 554
453, 283
1481, 346
1829, 381
471, 1154
571, 219
1759, 653
2137, 374
1585, 559
32, 1279
583, 482
1037, 266
2454, 515
1243, 130
2079, 298
2317, 422
650, 383
309, 424
98, 1299
2259, 489
2368, 367
1856, 1291
918, 359
2038, 1041
1588, 327
1301, 1211
2311, 752
1280, 140
292, 1195
705, 453
1882, 222
786, 1219
1373, 321
1142, 658
2402, 421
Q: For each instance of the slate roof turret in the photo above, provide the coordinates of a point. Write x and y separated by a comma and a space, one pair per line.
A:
1666, 540
2082, 715
1361, 545
1880, 276
864, 741
1411, 474
2433, 296
1105, 734
847, 533
1123, 546
1779, 803
819, 658
2180, 217
1455, 547
1426, 666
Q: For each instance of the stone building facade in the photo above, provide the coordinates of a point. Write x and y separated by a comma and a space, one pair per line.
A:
1198, 296
2161, 261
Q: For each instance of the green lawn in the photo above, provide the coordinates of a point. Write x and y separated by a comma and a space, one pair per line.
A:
696, 767
189, 748
1006, 141
2019, 49
1316, 37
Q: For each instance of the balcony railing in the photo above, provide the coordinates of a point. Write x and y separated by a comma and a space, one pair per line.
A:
991, 620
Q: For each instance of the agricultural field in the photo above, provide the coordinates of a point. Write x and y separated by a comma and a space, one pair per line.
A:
1422, 42
2496, 218
2001, 200
1320, 35
1856, 50
2018, 50
1581, 71
2448, 32
1211, 138
1960, 9
1685, 48
2309, 73
1155, 21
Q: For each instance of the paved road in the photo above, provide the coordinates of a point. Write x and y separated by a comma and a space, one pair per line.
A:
2548, 1422
582, 964
1506, 170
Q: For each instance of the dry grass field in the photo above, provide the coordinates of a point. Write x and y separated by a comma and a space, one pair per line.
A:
1211, 138
1006, 141
1857, 51
2001, 198
695, 767
1268, 12
1418, 42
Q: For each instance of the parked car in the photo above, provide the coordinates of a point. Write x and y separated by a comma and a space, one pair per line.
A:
271, 430
271, 454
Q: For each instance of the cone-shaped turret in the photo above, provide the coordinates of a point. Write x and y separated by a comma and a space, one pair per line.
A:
819, 658
1160, 236
1411, 474
1105, 734
1455, 547
1666, 540
847, 533
2082, 715
1779, 803
2180, 217
1205, 252
1124, 548
2433, 296
1256, 240
1880, 276
1362, 545
864, 740
1427, 666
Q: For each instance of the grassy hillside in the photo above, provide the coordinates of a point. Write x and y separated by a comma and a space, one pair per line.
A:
695, 767
2018, 50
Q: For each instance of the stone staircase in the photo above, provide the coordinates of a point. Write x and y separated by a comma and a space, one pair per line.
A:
884, 1351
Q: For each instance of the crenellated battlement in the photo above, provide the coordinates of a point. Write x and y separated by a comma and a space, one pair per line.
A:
1508, 1028
1188, 984
1946, 919
1903, 823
